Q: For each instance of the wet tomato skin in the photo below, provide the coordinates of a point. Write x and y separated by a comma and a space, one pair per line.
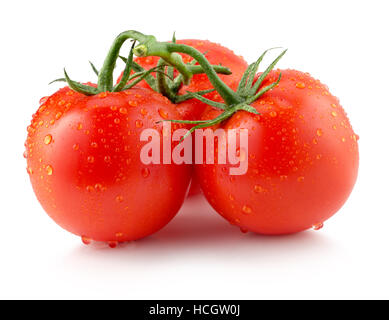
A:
303, 160
83, 157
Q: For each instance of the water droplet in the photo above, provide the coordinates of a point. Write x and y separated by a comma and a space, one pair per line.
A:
107, 159
343, 139
113, 244
300, 179
85, 240
94, 145
116, 120
314, 141
58, 115
43, 100
231, 197
119, 234
30, 171
319, 132
49, 170
123, 110
91, 159
139, 123
145, 172
318, 226
273, 114
79, 126
355, 137
89, 188
163, 113
244, 230
133, 103
258, 189
319, 156
334, 105
334, 114
76, 147
47, 140
143, 111
247, 209
25, 155
300, 85
119, 199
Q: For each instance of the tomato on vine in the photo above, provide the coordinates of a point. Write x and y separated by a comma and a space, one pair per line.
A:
302, 155
83, 157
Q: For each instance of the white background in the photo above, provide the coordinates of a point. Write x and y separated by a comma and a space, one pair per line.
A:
198, 255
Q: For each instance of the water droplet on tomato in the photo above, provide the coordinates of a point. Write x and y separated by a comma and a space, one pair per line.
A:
300, 85
119, 199
113, 244
47, 140
107, 159
163, 113
116, 120
133, 103
30, 171
247, 209
258, 189
123, 110
139, 123
334, 114
58, 115
43, 100
76, 147
273, 114
319, 132
300, 179
244, 230
91, 159
145, 172
318, 226
85, 240
49, 170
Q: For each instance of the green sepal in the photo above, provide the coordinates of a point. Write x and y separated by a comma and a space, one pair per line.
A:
79, 87
127, 71
94, 68
190, 96
207, 101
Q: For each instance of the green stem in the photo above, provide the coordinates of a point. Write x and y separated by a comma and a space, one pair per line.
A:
166, 51
105, 79
162, 85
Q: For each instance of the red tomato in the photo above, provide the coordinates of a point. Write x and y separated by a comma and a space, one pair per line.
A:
302, 160
216, 54
83, 156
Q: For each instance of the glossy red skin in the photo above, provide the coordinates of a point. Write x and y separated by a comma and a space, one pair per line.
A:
302, 162
89, 177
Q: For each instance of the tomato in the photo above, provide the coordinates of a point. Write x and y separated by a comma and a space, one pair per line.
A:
83, 157
216, 55
302, 160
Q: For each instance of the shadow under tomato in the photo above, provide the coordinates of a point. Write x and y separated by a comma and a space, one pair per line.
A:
198, 231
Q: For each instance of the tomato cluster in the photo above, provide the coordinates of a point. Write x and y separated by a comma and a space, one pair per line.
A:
84, 144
